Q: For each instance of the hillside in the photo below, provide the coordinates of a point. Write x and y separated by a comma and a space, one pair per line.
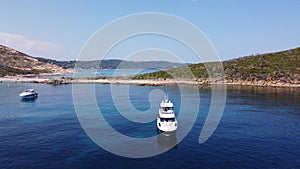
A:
13, 62
283, 66
279, 66
112, 64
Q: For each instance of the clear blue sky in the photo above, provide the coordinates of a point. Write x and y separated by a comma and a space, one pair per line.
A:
58, 29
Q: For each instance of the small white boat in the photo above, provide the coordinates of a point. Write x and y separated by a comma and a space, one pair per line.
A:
166, 120
28, 94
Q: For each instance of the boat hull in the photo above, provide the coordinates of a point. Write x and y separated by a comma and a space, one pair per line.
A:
29, 96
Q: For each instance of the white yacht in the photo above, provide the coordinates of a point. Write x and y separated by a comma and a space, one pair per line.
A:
28, 94
166, 120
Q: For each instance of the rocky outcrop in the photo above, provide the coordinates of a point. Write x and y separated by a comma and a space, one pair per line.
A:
57, 81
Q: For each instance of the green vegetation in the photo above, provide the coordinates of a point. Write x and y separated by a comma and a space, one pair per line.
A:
37, 71
184, 72
6, 70
273, 66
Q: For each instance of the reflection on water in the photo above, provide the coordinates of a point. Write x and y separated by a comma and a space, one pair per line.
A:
166, 140
262, 99
264, 90
30, 100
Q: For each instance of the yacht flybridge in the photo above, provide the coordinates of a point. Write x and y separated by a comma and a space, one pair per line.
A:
166, 120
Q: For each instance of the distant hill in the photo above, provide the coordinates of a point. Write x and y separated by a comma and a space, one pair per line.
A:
113, 64
13, 62
283, 66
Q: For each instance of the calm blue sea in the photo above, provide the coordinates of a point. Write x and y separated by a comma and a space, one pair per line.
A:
260, 128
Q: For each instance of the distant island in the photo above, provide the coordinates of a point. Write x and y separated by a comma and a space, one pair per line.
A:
271, 69
112, 64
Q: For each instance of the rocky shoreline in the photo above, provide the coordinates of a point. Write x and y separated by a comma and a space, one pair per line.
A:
147, 82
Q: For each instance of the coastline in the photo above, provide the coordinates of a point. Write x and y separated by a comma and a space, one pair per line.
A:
144, 82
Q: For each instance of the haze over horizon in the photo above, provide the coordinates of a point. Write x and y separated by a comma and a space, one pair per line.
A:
58, 30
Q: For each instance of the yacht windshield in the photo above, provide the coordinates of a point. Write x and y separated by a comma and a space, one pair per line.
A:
168, 108
167, 119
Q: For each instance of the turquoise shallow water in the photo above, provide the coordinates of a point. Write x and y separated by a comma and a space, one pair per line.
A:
105, 72
260, 128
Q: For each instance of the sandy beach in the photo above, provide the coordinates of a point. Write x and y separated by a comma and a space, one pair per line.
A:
144, 82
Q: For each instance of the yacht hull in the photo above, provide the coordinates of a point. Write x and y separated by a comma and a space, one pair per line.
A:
31, 96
